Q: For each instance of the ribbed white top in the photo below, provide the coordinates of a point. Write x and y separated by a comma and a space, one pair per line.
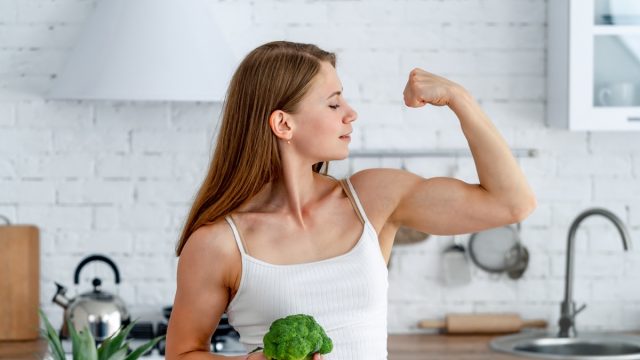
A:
346, 294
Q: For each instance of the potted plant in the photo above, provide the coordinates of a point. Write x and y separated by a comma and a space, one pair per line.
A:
115, 347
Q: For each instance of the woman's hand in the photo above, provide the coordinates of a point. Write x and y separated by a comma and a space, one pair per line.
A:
260, 356
426, 88
256, 355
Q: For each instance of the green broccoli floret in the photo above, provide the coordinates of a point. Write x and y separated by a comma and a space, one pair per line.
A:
295, 337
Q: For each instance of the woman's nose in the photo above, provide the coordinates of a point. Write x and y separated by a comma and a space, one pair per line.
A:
352, 115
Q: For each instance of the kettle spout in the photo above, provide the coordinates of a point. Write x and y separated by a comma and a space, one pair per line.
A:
59, 298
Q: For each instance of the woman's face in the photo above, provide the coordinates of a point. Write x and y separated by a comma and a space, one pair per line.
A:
323, 117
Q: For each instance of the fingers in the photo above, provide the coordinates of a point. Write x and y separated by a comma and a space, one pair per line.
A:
413, 102
416, 72
426, 88
317, 356
412, 97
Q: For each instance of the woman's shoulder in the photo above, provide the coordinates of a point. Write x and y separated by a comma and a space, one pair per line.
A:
380, 190
383, 181
212, 241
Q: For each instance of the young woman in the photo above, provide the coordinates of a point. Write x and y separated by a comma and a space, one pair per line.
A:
270, 234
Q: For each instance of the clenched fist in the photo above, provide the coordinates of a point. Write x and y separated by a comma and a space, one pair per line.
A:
426, 88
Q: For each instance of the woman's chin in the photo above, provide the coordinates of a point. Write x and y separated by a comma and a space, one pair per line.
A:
342, 156
337, 157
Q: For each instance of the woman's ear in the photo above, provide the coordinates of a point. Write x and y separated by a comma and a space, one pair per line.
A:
281, 124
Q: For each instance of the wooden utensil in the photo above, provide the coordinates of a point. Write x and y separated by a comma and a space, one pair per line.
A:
481, 323
19, 282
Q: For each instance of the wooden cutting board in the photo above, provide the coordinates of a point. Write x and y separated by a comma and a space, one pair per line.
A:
19, 282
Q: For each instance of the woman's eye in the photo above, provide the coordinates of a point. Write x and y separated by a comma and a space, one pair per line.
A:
334, 106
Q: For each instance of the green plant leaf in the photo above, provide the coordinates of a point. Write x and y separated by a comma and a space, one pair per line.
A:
120, 354
121, 336
144, 348
75, 339
52, 336
115, 343
86, 349
107, 348
103, 348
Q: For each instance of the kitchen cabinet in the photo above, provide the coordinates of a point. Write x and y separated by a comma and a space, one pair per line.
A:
593, 65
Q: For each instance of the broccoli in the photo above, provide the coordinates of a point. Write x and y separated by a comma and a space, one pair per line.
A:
295, 337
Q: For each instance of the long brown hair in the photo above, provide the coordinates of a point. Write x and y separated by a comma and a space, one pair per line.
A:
274, 76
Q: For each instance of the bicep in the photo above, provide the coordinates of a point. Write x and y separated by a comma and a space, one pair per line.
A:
447, 206
201, 298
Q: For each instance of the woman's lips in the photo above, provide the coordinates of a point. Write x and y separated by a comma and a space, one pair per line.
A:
345, 137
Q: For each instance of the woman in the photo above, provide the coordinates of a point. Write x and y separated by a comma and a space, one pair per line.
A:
270, 234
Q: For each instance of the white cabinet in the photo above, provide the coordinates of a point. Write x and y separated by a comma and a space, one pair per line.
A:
593, 67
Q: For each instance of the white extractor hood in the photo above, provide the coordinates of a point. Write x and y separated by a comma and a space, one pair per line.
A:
148, 50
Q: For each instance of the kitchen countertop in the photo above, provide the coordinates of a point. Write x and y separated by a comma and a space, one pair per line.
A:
400, 347
458, 347
19, 350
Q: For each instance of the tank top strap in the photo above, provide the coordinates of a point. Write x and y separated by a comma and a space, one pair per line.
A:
347, 191
355, 201
236, 234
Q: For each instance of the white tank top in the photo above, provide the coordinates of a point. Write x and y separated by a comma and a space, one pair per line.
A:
346, 294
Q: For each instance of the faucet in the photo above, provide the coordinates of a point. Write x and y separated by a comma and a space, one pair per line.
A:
568, 310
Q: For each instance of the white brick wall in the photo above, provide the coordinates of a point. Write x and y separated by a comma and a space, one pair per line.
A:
118, 177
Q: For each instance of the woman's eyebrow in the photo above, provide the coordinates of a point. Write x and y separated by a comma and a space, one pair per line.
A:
335, 93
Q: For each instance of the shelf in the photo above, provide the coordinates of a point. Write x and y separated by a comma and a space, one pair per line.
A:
431, 153
616, 29
619, 109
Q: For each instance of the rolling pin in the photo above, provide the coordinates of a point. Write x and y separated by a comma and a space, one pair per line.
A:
481, 323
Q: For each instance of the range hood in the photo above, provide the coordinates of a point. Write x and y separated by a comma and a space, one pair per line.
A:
148, 50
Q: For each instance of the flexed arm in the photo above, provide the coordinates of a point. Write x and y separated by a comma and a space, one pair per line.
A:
444, 205
497, 169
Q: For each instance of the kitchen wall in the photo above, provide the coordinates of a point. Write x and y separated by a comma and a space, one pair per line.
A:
117, 177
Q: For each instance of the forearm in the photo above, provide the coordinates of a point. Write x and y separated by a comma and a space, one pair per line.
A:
498, 171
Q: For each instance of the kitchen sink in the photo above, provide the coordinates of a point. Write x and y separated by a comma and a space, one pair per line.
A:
586, 346
567, 343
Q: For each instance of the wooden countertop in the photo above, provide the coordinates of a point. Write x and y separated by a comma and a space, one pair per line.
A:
22, 350
450, 347
400, 347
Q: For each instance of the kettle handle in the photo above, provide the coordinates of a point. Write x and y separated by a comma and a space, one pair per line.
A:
88, 259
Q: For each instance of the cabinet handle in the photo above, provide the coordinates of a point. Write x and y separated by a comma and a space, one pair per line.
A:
633, 118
